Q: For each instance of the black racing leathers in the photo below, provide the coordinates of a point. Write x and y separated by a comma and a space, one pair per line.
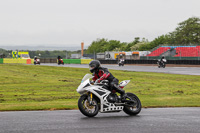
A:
102, 74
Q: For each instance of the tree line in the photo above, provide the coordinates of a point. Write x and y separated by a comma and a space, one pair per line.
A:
186, 33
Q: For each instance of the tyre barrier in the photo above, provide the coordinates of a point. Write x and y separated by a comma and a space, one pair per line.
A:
87, 61
184, 62
67, 61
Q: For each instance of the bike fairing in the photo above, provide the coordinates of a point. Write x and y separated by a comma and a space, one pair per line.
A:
131, 106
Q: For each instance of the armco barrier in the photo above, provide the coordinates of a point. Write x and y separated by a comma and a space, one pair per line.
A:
72, 61
1, 60
86, 61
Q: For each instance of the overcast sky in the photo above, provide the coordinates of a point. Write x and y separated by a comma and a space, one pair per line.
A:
69, 22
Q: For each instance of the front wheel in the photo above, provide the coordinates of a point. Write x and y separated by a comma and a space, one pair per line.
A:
133, 108
85, 108
164, 66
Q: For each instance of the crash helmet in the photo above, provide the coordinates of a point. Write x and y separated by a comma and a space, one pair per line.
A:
94, 65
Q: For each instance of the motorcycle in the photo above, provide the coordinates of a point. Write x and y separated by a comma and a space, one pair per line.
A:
162, 64
121, 62
60, 61
36, 61
95, 97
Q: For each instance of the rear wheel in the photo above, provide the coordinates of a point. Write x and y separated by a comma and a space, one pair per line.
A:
133, 108
85, 108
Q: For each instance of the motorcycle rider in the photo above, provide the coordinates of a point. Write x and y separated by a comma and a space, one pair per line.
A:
121, 61
162, 60
101, 73
35, 59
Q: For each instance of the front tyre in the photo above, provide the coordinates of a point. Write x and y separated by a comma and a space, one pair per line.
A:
164, 66
85, 108
133, 108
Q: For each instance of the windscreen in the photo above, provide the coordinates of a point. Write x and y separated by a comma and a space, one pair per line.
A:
87, 76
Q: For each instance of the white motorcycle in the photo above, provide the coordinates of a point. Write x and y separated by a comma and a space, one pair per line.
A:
121, 62
162, 64
95, 97
36, 61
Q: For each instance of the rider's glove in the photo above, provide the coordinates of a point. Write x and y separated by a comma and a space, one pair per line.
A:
92, 82
98, 81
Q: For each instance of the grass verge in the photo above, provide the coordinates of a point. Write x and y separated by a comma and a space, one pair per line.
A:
28, 87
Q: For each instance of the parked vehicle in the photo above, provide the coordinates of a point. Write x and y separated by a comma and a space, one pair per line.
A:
96, 97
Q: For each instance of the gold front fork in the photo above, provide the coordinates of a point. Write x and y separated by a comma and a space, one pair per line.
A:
90, 98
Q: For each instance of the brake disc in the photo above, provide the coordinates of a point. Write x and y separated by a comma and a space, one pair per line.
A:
87, 105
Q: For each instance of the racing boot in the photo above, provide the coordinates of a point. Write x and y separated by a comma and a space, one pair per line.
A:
121, 91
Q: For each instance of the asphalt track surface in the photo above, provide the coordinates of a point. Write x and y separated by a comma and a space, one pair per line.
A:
153, 120
171, 70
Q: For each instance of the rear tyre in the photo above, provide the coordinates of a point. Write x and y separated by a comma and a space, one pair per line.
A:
85, 108
135, 107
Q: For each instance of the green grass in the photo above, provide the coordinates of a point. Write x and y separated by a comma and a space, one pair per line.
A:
28, 87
